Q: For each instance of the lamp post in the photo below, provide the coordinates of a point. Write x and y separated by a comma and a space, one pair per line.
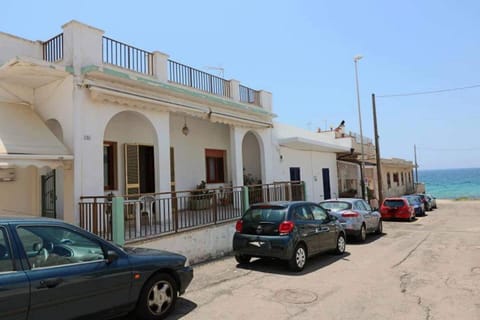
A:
362, 168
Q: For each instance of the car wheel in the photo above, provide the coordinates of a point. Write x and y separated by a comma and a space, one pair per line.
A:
242, 259
157, 298
299, 258
341, 244
379, 227
362, 236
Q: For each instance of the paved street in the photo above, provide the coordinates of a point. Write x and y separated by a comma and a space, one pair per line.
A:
427, 269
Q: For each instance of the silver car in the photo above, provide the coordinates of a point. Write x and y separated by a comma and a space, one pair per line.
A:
356, 216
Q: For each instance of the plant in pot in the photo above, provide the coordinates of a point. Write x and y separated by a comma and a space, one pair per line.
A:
201, 197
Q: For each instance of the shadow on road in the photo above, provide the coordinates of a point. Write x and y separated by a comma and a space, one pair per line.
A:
182, 308
370, 238
276, 266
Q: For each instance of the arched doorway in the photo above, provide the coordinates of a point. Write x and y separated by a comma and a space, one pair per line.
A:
129, 154
251, 157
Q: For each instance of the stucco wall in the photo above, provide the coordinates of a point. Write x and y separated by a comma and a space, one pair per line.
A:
13, 46
197, 245
20, 197
311, 164
190, 167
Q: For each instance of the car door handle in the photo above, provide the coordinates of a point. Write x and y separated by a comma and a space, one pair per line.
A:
324, 229
49, 283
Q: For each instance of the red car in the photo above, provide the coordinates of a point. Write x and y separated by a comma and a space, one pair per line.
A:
397, 208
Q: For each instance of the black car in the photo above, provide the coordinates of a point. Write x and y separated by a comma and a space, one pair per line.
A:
53, 270
290, 231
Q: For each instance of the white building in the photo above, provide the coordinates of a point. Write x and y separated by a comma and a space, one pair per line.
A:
97, 117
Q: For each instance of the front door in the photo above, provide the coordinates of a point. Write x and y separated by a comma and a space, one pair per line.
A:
326, 183
49, 196
139, 169
172, 180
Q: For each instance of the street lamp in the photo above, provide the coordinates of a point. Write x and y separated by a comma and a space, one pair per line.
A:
362, 168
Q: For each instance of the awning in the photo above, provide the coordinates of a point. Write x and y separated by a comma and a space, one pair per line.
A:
306, 144
26, 140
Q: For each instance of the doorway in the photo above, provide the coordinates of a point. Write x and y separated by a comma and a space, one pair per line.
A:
326, 184
49, 195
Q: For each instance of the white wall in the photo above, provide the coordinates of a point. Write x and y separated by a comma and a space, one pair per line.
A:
311, 164
197, 245
13, 46
190, 167
20, 197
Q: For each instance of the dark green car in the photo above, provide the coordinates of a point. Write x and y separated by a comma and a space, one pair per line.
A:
291, 231
53, 270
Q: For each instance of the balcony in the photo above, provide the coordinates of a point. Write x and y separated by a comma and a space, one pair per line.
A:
133, 59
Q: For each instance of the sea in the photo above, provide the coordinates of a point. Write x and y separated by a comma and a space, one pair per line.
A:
451, 183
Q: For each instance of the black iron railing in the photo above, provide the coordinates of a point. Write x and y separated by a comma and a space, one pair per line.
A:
53, 49
151, 215
194, 78
249, 95
127, 57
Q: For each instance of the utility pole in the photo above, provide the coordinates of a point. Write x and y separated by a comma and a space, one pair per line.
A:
416, 165
377, 153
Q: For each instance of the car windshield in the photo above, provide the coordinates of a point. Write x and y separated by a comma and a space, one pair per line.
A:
394, 203
265, 214
413, 200
336, 205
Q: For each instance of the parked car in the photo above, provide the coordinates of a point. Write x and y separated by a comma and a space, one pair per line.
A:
397, 208
433, 201
53, 270
291, 231
426, 202
355, 215
417, 204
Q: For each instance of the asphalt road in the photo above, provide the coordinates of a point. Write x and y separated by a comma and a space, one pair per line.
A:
426, 269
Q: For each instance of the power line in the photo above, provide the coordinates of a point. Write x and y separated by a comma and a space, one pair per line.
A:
427, 92
449, 149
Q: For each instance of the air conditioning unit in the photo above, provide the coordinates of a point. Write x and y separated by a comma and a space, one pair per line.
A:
7, 174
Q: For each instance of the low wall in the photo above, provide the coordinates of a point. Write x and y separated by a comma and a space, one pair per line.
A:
198, 245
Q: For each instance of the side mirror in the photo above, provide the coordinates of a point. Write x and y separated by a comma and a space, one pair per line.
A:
111, 256
332, 218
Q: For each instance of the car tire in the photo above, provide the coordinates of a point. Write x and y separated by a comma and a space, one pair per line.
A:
341, 244
158, 298
242, 259
299, 258
379, 227
362, 235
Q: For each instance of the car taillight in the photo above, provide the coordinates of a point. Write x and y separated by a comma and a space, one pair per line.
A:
285, 227
239, 226
350, 214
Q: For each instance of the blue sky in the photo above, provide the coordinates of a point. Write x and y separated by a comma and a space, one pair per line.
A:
302, 51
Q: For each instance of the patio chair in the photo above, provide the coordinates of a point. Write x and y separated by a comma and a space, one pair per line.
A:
148, 203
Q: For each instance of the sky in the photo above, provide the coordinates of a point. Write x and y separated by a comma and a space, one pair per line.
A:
302, 52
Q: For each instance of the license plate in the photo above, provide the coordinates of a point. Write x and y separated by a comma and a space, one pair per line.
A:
257, 244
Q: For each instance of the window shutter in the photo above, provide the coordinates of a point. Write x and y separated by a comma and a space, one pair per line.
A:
132, 176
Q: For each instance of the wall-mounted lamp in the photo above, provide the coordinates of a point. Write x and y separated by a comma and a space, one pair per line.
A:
185, 129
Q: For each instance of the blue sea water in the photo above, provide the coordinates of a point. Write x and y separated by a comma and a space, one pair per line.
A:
452, 183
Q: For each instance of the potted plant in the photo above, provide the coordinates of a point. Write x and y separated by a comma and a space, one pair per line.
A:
201, 197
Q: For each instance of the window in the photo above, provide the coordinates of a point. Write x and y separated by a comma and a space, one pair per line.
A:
389, 182
109, 165
48, 246
318, 213
6, 263
215, 161
395, 178
302, 213
402, 179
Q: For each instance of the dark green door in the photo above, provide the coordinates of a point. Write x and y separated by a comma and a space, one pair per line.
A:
49, 196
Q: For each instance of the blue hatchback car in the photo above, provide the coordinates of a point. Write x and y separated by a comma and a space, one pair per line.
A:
53, 270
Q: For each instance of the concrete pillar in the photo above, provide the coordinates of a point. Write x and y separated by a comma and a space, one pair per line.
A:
161, 122
118, 221
236, 158
160, 66
265, 100
82, 45
234, 89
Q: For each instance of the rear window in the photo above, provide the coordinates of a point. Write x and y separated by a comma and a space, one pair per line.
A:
393, 203
265, 214
336, 205
412, 200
